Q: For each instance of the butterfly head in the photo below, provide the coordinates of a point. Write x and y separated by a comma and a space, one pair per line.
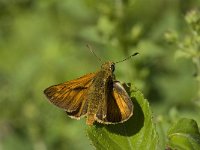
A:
108, 66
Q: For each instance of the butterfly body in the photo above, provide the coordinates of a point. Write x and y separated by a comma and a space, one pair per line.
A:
97, 92
96, 95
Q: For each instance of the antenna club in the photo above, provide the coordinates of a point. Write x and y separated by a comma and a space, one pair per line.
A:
137, 53
127, 57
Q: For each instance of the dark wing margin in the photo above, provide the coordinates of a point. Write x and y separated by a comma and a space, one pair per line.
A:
70, 95
119, 106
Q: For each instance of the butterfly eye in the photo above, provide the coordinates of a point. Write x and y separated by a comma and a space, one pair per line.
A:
112, 67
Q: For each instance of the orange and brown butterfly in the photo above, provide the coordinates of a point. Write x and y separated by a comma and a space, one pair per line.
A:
98, 96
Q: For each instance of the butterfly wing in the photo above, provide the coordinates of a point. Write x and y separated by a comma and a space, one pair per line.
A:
70, 95
118, 106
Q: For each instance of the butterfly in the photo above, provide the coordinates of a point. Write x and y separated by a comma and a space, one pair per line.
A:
98, 96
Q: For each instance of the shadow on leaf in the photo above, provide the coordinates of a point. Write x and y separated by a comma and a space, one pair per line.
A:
130, 127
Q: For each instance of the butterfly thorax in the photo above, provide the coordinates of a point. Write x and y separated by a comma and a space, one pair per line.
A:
97, 92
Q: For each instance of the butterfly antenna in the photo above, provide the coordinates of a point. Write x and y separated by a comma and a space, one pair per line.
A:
127, 58
93, 52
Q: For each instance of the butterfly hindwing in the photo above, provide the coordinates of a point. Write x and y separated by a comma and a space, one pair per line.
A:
70, 95
119, 106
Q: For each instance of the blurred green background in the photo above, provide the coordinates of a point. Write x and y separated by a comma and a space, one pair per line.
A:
44, 43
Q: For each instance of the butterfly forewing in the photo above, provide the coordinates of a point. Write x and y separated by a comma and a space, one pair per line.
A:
119, 107
70, 95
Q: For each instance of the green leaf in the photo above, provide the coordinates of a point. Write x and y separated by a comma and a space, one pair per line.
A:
184, 135
135, 134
